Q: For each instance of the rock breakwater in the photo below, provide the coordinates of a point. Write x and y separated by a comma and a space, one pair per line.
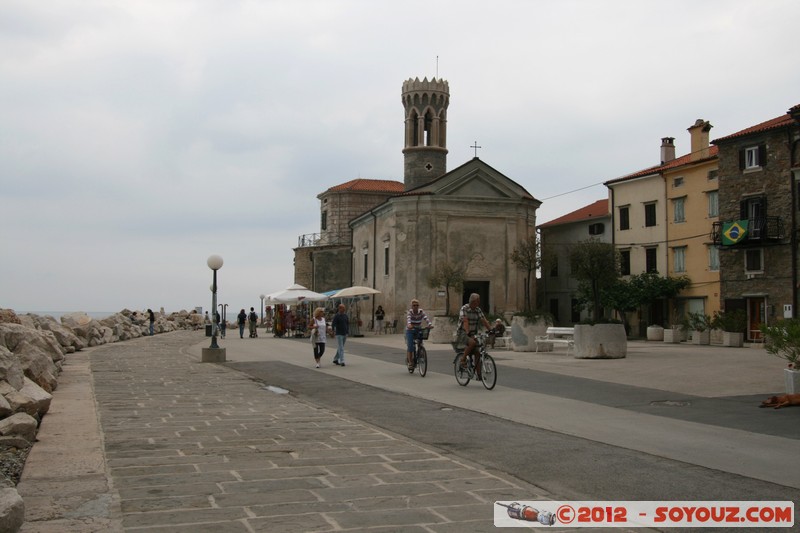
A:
33, 349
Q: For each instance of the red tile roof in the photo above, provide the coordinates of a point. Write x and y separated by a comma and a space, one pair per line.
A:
595, 210
775, 123
669, 165
365, 185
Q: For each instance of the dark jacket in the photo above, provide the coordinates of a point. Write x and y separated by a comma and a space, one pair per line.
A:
340, 324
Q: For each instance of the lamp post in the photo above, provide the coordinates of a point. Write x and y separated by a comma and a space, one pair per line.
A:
214, 262
262, 308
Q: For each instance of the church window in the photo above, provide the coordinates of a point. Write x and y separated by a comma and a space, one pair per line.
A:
366, 264
386, 260
324, 222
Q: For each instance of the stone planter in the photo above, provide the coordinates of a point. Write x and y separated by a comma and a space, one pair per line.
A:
732, 339
792, 378
673, 335
701, 337
600, 341
655, 333
444, 330
525, 331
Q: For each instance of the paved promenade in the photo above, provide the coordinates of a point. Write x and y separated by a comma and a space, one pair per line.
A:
141, 436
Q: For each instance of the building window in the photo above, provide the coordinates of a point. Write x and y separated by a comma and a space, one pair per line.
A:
366, 264
754, 260
554, 268
650, 215
713, 203
651, 259
712, 174
624, 218
597, 228
753, 157
324, 222
386, 260
678, 211
713, 258
679, 259
677, 182
625, 262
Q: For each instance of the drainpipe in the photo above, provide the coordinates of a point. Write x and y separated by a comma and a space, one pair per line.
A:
374, 258
793, 210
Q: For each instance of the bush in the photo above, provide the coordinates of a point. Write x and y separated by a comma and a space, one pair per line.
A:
783, 340
731, 321
699, 322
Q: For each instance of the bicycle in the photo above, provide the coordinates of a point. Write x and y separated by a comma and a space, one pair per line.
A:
420, 354
488, 368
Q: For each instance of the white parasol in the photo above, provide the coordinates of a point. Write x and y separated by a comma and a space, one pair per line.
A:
294, 294
357, 290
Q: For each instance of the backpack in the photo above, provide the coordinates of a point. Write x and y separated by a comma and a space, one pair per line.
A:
253, 316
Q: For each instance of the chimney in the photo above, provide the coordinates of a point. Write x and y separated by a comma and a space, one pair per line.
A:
667, 149
699, 133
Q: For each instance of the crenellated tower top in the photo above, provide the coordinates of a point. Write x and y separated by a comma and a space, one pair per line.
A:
425, 150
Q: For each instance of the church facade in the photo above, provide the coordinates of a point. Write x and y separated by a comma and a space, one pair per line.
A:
470, 218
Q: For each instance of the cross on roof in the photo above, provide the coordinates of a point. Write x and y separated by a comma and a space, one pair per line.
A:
475, 146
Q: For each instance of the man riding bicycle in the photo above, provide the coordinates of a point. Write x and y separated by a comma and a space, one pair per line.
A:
414, 319
468, 318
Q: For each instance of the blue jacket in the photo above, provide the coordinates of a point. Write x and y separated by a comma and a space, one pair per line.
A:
340, 324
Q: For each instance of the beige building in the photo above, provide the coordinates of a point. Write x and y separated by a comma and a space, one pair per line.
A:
662, 218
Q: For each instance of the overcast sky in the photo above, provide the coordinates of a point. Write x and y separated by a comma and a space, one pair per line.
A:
139, 137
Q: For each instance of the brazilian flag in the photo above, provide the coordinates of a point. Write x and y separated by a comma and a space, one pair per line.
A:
733, 232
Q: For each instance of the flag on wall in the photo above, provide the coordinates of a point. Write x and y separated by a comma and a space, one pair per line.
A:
733, 232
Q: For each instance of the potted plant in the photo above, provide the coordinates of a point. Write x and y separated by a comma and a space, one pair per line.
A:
525, 327
732, 324
699, 325
783, 340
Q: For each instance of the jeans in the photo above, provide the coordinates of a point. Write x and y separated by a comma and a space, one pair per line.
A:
340, 348
152, 329
241, 330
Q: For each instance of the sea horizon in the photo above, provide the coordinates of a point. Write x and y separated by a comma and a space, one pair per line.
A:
97, 315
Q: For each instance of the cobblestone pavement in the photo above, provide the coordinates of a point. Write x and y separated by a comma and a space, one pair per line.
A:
192, 446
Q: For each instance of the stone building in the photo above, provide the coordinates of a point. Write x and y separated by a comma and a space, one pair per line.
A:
558, 237
470, 218
759, 172
322, 261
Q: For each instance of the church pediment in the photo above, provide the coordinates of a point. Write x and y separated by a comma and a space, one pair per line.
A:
477, 180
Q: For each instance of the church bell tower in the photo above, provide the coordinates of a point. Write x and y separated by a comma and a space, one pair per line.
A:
425, 151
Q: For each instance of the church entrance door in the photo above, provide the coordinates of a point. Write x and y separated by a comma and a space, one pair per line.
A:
480, 287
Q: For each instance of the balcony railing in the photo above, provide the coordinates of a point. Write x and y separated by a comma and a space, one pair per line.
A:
319, 239
759, 231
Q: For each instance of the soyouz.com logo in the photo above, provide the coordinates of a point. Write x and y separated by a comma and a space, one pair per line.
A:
688, 514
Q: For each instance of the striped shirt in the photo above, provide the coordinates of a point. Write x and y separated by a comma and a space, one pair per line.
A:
415, 318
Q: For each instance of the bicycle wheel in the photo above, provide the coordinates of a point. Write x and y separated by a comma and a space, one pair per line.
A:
422, 361
462, 375
488, 372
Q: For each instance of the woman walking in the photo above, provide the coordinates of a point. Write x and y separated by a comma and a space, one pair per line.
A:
242, 319
319, 329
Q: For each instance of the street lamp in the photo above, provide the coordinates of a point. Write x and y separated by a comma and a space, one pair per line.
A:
214, 262
262, 308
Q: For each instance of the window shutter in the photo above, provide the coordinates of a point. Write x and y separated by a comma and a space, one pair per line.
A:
762, 155
743, 214
741, 159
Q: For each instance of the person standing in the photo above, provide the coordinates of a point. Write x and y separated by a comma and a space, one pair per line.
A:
379, 315
253, 321
152, 318
341, 328
319, 330
241, 318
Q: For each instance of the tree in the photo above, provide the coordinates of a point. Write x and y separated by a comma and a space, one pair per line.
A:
595, 265
527, 256
628, 296
447, 276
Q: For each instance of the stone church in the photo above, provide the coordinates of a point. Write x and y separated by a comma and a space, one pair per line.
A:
394, 236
